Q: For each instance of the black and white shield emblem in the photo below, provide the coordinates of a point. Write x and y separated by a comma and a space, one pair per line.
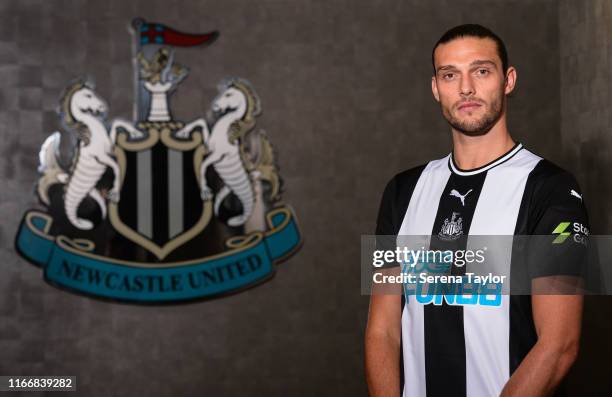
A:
160, 208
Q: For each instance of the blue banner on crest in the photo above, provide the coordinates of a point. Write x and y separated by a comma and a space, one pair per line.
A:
67, 263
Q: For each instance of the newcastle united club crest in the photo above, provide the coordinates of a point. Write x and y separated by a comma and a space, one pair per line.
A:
453, 229
158, 210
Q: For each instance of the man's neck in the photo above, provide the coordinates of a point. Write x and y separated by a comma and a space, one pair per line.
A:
471, 152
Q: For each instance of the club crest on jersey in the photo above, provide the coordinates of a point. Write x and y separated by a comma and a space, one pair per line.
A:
451, 229
157, 209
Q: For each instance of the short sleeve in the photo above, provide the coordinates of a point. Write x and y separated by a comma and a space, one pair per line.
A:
385, 223
560, 228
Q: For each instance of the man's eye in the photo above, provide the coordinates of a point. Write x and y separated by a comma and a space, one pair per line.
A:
448, 76
483, 72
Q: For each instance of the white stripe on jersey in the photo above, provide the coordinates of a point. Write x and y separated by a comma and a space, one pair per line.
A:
487, 328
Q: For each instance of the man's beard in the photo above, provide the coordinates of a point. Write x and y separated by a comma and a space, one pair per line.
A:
480, 126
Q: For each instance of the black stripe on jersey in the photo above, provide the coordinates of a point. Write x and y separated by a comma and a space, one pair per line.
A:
522, 328
445, 356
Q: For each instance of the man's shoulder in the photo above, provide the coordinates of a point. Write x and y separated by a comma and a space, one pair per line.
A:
395, 200
546, 169
547, 177
554, 196
411, 176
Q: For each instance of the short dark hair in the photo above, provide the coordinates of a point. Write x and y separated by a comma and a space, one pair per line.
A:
473, 30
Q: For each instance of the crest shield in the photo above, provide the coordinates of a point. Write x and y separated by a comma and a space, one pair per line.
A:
161, 208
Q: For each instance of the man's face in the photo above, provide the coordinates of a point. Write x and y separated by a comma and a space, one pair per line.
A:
470, 84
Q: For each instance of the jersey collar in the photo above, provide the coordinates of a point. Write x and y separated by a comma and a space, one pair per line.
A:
505, 157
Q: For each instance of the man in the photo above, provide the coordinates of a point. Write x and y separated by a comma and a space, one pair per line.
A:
488, 185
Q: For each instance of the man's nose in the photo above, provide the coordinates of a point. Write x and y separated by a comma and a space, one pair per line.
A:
467, 87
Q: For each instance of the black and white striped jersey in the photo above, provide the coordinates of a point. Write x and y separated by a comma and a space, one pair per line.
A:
473, 349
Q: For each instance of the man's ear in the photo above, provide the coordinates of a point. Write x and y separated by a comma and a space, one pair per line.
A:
434, 88
510, 80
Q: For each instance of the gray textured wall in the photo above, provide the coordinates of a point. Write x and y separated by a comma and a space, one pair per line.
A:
346, 100
586, 66
585, 37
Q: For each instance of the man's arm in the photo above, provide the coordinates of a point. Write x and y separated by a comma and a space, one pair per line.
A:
553, 269
557, 321
383, 332
382, 345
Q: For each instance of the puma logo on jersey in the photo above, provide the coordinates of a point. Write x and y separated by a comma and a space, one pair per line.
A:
461, 197
575, 194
